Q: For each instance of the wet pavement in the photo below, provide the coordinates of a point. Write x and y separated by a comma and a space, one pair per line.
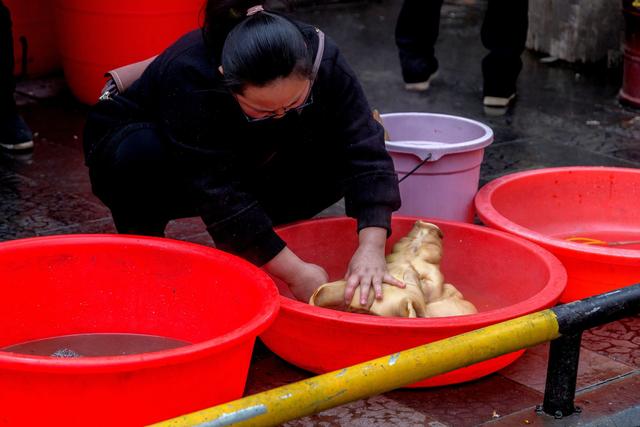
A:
564, 115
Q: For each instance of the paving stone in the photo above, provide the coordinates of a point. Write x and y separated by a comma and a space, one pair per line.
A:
614, 404
618, 340
531, 369
529, 154
471, 403
377, 411
52, 165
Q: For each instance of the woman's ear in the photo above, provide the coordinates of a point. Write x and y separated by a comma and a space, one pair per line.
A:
221, 70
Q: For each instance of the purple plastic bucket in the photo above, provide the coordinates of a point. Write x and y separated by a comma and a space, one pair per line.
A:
445, 185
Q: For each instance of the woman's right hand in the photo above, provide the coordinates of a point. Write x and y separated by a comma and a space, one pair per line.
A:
303, 278
309, 278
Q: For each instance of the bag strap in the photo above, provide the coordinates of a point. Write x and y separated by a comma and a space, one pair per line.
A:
318, 60
124, 76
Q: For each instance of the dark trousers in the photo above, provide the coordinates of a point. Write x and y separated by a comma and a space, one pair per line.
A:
138, 179
504, 33
7, 82
132, 175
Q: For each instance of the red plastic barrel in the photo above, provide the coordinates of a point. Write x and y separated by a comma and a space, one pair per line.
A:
79, 284
630, 91
503, 275
34, 41
96, 36
549, 206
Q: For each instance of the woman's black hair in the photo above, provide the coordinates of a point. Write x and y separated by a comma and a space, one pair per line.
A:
256, 49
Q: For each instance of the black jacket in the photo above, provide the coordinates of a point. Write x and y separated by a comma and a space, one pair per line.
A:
227, 158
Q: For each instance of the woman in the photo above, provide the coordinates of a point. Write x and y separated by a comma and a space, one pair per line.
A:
235, 124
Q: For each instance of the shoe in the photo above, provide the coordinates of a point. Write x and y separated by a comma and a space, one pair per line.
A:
421, 86
15, 135
498, 101
495, 111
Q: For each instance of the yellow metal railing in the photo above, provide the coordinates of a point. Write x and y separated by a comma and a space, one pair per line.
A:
377, 376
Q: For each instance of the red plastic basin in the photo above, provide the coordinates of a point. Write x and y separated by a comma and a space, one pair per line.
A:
547, 206
503, 275
78, 284
95, 36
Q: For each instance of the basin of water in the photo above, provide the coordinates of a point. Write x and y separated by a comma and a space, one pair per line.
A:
107, 330
562, 210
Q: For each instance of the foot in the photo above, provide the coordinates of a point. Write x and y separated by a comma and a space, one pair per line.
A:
15, 135
421, 86
498, 101
495, 111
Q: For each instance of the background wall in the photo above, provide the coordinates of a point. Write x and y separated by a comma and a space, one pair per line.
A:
576, 30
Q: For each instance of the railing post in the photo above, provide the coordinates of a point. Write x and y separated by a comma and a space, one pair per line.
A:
564, 352
562, 373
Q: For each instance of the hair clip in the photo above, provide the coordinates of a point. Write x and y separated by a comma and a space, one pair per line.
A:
255, 9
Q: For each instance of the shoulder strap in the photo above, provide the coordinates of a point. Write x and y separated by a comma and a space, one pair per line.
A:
318, 60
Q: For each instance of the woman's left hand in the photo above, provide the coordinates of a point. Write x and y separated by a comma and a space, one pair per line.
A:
368, 266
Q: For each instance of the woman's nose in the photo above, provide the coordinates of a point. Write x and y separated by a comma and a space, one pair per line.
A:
280, 113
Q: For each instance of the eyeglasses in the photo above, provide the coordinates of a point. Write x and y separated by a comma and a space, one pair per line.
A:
307, 101
298, 110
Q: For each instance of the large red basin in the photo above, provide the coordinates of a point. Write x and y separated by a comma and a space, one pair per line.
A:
80, 284
503, 275
547, 206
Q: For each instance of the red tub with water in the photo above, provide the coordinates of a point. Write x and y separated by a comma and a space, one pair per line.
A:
102, 284
503, 275
549, 206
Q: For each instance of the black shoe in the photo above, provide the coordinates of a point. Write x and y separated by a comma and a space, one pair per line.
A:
421, 86
15, 135
417, 71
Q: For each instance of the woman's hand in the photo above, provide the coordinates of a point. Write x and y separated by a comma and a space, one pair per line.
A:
368, 266
309, 278
303, 278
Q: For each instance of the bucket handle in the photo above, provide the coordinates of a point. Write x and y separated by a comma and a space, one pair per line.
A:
422, 162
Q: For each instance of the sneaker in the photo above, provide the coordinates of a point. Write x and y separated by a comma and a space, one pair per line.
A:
495, 111
421, 86
498, 101
15, 135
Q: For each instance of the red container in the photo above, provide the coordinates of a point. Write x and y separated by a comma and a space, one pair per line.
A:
96, 36
547, 206
630, 91
503, 275
34, 42
63, 285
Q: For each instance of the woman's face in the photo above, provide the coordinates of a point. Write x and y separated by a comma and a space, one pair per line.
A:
275, 99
